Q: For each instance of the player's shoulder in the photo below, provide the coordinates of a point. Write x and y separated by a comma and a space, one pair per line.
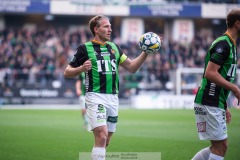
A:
221, 47
85, 44
109, 42
112, 44
82, 47
222, 42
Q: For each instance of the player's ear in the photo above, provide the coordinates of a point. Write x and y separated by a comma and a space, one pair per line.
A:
95, 30
238, 24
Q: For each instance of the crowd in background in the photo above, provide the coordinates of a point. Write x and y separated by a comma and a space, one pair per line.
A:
35, 56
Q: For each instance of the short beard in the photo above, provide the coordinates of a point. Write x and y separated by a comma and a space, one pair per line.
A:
238, 32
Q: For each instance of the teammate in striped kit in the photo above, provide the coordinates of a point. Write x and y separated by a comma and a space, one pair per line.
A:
210, 106
100, 59
80, 91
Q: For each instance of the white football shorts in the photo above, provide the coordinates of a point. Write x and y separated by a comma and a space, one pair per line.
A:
210, 122
102, 109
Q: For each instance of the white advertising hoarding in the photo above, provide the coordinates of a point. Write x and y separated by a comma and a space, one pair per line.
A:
131, 30
148, 101
73, 8
183, 30
214, 11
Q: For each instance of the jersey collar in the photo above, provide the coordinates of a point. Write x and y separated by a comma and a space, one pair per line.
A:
230, 37
95, 41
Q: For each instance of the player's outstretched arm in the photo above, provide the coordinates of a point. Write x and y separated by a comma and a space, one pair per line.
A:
133, 65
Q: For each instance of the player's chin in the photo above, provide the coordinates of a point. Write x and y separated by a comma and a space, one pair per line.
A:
108, 38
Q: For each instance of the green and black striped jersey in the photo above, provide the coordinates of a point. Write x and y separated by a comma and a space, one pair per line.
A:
105, 58
222, 52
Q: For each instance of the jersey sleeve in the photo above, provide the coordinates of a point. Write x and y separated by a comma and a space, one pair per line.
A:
79, 57
123, 56
219, 52
80, 77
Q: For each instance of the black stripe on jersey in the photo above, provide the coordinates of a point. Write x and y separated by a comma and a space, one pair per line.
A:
102, 77
89, 88
120, 52
88, 74
112, 56
211, 100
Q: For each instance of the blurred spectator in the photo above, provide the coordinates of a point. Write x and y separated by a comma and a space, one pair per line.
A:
40, 54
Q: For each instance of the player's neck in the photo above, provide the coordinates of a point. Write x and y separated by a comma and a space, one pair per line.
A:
232, 34
100, 41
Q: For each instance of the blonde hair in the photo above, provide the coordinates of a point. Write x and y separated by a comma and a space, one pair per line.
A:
95, 22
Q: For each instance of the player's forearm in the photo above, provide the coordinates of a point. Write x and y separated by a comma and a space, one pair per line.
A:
136, 63
71, 72
216, 78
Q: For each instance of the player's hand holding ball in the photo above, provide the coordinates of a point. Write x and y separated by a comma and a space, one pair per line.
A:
150, 43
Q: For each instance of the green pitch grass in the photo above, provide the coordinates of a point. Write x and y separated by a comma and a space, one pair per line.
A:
58, 134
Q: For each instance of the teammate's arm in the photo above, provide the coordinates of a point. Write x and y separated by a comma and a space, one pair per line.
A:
212, 75
78, 87
228, 116
133, 65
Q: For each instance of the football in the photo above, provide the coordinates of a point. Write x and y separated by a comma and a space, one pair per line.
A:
150, 42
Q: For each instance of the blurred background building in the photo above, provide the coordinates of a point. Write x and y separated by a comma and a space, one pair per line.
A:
39, 37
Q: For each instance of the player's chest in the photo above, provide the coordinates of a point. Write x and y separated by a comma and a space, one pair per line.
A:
101, 53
